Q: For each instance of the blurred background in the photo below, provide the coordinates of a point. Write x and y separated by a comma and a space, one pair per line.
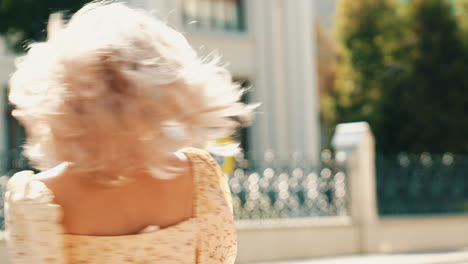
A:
361, 142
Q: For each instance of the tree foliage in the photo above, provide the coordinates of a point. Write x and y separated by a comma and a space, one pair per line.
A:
23, 21
403, 70
434, 90
327, 61
461, 11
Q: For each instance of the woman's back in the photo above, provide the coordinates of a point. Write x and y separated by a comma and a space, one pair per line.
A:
34, 222
94, 209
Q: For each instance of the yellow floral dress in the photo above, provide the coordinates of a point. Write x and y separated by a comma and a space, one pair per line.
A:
35, 235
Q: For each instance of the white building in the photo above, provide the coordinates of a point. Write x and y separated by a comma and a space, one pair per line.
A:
271, 44
268, 43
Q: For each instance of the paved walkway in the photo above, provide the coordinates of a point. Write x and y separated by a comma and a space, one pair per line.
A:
451, 257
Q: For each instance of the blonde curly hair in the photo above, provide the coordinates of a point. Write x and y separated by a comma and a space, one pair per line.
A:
117, 89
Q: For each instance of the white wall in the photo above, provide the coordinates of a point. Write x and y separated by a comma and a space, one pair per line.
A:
295, 239
419, 234
309, 238
237, 50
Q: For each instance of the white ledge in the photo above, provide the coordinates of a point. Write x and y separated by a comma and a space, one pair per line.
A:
293, 222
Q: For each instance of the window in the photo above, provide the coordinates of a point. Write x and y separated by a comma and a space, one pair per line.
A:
214, 15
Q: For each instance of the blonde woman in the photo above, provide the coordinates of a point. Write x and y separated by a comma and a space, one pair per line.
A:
112, 103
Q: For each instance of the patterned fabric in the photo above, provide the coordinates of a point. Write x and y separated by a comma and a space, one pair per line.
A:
35, 234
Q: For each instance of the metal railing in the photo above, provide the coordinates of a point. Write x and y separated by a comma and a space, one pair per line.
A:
289, 188
420, 184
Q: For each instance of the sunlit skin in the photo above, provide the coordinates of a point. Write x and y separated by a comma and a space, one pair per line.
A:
93, 209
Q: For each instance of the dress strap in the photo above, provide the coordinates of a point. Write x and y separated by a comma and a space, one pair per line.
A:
216, 238
194, 155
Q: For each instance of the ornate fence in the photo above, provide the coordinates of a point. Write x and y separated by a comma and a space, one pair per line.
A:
409, 184
288, 188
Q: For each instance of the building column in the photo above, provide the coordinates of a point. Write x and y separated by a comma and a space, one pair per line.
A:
286, 81
262, 131
302, 77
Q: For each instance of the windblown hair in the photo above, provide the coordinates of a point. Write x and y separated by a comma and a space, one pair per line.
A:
116, 89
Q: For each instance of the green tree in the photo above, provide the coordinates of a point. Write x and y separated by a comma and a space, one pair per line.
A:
424, 108
461, 10
23, 21
366, 33
403, 70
